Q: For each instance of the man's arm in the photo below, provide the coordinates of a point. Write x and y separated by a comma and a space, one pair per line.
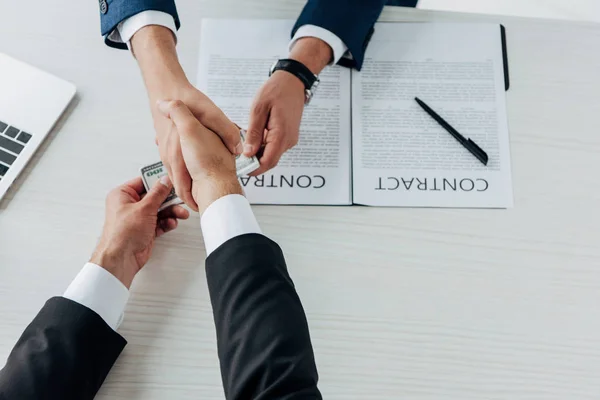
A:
262, 335
113, 13
70, 346
325, 31
277, 108
155, 52
148, 28
65, 353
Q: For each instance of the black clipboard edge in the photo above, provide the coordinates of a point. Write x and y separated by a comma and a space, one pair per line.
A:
505, 57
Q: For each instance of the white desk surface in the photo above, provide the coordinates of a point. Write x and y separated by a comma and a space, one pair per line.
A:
577, 10
402, 303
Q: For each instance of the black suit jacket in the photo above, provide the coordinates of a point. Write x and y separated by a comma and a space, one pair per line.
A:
262, 335
65, 353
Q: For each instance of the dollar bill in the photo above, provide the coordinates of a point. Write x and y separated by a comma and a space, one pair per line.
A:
245, 165
150, 175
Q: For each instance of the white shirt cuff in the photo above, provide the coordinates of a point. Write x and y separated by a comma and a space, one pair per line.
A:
339, 48
226, 218
100, 291
127, 28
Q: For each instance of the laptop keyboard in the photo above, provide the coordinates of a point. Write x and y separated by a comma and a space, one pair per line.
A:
12, 142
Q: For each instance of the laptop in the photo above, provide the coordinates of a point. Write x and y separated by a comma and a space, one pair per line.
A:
31, 101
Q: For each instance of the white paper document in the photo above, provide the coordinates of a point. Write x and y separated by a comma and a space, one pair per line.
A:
235, 58
363, 138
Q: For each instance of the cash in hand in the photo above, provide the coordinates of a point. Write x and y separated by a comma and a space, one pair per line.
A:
153, 172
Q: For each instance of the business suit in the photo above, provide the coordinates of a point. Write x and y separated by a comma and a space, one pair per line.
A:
65, 353
262, 335
350, 20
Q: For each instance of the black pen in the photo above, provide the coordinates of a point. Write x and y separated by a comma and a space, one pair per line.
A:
466, 142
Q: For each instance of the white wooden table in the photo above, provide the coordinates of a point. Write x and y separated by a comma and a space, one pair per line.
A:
578, 10
402, 303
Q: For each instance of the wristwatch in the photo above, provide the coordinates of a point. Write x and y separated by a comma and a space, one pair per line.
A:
300, 71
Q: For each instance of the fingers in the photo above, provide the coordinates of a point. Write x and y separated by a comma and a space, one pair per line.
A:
173, 160
227, 131
188, 127
165, 225
215, 120
177, 212
179, 113
259, 114
129, 192
187, 123
168, 219
158, 193
181, 178
136, 184
270, 157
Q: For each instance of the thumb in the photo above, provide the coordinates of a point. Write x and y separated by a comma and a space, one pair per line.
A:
158, 193
188, 127
178, 113
227, 131
256, 129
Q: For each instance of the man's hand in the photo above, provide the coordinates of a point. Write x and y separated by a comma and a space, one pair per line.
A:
169, 147
275, 119
131, 225
277, 108
210, 164
154, 48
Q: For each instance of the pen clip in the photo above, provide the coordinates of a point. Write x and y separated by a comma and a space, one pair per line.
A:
477, 151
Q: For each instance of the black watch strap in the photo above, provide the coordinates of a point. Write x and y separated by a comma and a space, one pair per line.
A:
298, 69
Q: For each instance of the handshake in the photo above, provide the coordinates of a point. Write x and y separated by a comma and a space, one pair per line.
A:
263, 340
197, 145
132, 222
274, 118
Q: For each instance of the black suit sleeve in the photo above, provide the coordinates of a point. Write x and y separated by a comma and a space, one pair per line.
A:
262, 333
350, 20
65, 353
